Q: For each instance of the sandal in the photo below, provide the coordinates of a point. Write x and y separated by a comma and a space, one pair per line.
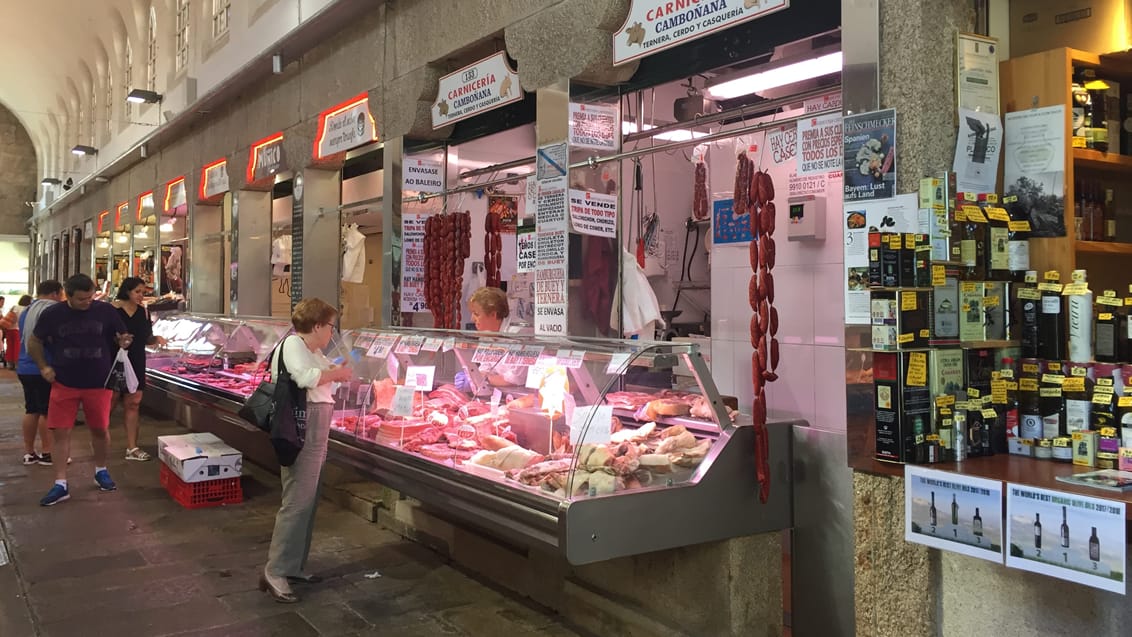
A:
137, 454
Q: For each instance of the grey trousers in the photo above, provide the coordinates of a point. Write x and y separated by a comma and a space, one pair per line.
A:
294, 524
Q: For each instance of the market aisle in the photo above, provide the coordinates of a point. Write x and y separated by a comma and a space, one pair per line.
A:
134, 563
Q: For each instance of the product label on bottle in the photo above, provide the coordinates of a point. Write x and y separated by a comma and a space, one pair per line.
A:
1106, 339
968, 252
1051, 305
999, 237
1018, 255
1031, 426
1077, 415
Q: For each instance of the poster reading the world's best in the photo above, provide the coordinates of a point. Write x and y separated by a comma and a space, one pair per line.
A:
1065, 535
953, 512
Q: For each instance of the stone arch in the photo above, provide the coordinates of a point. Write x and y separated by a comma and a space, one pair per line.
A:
17, 174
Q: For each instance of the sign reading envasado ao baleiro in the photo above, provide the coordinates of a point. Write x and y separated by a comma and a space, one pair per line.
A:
655, 25
474, 89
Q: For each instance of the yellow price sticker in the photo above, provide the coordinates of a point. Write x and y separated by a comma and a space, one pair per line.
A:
895, 241
1011, 385
995, 377
1053, 379
1104, 382
905, 338
989, 413
1101, 389
1028, 384
1050, 392
1052, 275
1110, 301
970, 196
1062, 441
908, 301
1018, 226
1007, 373
1050, 287
960, 216
991, 301
925, 333
909, 241
1109, 293
974, 214
1029, 294
1031, 277
1073, 385
1101, 398
998, 214
1010, 199
1108, 432
1075, 289
1124, 401
1104, 316
1128, 301
1054, 366
945, 411
1078, 371
939, 276
1029, 368
945, 400
992, 197
973, 392
918, 369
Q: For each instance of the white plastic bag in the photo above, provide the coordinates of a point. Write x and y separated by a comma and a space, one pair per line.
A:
122, 376
131, 377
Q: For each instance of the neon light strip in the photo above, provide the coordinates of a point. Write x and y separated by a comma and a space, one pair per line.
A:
253, 157
140, 206
341, 108
169, 191
101, 218
222, 163
118, 216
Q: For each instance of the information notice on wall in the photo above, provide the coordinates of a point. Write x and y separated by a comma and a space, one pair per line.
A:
297, 232
552, 239
953, 512
412, 263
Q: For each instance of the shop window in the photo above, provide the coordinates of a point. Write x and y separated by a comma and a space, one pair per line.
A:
221, 11
151, 52
182, 39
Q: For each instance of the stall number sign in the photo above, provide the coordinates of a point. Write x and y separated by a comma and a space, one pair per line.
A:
593, 126
382, 345
423, 175
474, 89
653, 26
410, 345
420, 377
525, 356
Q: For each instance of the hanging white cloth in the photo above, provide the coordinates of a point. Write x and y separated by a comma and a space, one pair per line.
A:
639, 307
280, 255
354, 254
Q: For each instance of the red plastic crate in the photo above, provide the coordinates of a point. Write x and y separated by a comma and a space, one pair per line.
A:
198, 495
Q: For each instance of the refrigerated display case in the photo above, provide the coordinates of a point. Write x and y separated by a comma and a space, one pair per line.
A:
594, 448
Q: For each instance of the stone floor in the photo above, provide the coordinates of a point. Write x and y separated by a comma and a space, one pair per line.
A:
134, 563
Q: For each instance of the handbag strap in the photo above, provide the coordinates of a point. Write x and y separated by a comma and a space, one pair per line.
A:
282, 367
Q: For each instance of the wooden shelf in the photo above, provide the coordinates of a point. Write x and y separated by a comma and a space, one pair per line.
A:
1103, 247
1085, 158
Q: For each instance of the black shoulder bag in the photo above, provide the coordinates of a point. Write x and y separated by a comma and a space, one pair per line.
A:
260, 405
283, 406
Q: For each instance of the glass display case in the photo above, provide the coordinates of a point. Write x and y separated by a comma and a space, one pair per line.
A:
598, 448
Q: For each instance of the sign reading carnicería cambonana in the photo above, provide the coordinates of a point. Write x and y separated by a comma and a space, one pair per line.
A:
655, 25
474, 89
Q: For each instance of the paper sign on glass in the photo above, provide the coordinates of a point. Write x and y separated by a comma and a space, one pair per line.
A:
402, 401
431, 345
953, 512
591, 424
420, 377
382, 345
570, 359
617, 363
410, 345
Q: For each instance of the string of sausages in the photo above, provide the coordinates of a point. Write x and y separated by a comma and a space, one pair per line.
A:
492, 248
754, 195
699, 192
447, 243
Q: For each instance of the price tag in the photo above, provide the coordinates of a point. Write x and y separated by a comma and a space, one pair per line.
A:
420, 377
409, 345
1073, 385
1028, 384
967, 286
525, 356
1010, 199
1050, 392
1079, 372
365, 390
1104, 384
1075, 288
538, 371
488, 355
989, 413
1108, 432
960, 216
909, 241
1124, 401
1110, 301
986, 399
970, 196
432, 345
992, 197
1053, 379
363, 341
402, 402
591, 424
1052, 275
1050, 287
998, 392
974, 214
1029, 294
1053, 366
1102, 398
939, 276
1109, 294
382, 345
908, 301
1010, 385
972, 392
905, 338
1018, 226
570, 359
1128, 301
1006, 373
1031, 277
496, 396
991, 301
1029, 368
449, 344
998, 214
917, 369
945, 400
617, 363
925, 333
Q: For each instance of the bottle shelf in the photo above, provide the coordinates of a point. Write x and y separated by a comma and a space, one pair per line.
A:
1103, 247
1086, 158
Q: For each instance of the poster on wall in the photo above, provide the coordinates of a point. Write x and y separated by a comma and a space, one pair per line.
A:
507, 207
412, 263
593, 126
869, 143
1034, 167
781, 144
977, 147
819, 145
526, 254
899, 214
593, 213
953, 512
1065, 535
172, 268
726, 226
977, 73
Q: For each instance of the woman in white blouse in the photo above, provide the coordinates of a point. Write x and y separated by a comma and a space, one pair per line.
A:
313, 320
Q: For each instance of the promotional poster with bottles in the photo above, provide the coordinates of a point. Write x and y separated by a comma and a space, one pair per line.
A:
953, 512
1065, 535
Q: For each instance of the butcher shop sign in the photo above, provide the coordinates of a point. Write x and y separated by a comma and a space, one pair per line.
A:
474, 89
655, 25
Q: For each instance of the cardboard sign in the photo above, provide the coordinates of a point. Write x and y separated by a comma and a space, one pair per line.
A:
474, 89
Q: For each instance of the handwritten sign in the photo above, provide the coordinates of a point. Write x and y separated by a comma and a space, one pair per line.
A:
591, 424
402, 401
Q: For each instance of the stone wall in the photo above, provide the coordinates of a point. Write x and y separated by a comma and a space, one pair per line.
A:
17, 174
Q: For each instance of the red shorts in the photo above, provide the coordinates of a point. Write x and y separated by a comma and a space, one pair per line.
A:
64, 407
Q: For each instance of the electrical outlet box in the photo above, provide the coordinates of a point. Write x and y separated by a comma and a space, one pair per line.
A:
806, 221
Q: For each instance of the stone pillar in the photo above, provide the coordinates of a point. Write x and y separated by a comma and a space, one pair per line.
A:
898, 585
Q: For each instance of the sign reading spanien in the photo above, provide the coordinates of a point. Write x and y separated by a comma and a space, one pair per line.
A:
655, 25
474, 89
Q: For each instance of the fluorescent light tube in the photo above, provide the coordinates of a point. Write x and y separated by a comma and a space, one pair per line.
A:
774, 78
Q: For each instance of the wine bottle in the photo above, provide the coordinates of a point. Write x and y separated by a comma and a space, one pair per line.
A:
1051, 327
1094, 546
1109, 215
954, 511
972, 247
932, 512
1097, 115
998, 239
1080, 102
1079, 310
977, 523
1105, 328
1018, 240
1124, 331
1037, 530
1064, 530
1029, 405
1029, 304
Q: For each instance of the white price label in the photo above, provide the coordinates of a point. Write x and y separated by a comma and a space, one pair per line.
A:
363, 341
420, 377
403, 402
591, 424
571, 359
382, 345
496, 396
538, 371
617, 363
410, 345
393, 367
525, 356
487, 356
432, 345
449, 344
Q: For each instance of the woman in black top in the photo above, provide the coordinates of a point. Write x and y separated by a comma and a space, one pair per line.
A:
129, 305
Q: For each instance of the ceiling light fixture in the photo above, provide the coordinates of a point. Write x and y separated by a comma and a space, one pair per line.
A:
142, 96
678, 135
81, 150
776, 77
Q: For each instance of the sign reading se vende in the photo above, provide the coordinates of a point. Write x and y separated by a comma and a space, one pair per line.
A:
474, 89
655, 25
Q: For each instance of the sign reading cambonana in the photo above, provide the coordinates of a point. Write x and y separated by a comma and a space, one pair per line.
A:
655, 25
474, 89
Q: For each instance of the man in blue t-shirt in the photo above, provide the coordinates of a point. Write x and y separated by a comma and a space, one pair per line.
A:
37, 391
82, 337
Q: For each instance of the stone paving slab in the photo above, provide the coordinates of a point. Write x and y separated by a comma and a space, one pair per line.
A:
134, 563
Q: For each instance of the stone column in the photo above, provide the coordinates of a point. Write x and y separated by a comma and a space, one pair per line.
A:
898, 585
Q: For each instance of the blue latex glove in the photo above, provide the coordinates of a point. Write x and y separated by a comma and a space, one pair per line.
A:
462, 382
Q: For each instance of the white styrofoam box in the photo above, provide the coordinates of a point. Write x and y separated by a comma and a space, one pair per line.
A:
192, 439
205, 461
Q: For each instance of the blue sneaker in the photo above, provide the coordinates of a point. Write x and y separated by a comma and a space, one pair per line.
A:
102, 479
57, 494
